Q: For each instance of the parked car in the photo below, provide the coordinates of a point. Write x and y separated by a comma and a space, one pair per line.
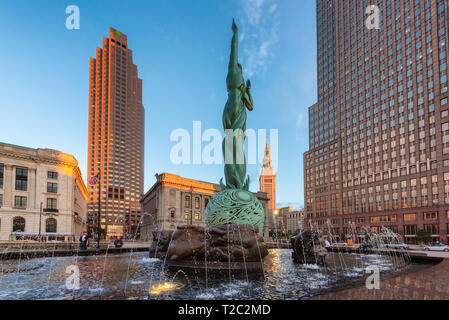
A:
437, 247
343, 245
339, 244
368, 245
397, 245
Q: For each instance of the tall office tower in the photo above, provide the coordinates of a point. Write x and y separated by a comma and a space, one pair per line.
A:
267, 180
379, 133
116, 136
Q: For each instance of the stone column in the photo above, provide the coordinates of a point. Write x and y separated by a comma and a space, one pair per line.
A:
32, 187
8, 186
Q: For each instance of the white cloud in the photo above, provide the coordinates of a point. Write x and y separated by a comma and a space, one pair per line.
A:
260, 21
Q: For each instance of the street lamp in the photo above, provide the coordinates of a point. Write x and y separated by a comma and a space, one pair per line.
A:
191, 205
40, 223
99, 207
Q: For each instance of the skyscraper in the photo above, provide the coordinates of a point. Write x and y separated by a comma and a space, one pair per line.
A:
267, 179
116, 135
379, 133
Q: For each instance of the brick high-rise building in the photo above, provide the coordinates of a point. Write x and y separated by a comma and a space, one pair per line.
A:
116, 135
379, 133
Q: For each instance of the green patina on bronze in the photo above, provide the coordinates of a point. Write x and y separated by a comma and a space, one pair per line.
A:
234, 120
235, 204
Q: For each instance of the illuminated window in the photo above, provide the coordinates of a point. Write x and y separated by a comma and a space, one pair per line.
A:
197, 203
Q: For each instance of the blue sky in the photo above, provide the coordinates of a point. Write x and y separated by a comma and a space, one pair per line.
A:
182, 50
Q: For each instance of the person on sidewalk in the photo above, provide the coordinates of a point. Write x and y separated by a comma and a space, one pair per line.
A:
327, 245
84, 239
118, 243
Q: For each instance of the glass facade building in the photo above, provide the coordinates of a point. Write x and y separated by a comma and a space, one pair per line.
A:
379, 132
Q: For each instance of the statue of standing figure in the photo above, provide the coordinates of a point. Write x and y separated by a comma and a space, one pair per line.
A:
234, 120
234, 204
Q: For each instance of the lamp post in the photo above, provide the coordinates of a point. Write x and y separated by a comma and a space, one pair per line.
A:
40, 224
99, 210
191, 205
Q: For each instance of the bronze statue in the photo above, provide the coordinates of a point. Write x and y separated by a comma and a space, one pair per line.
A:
234, 204
234, 118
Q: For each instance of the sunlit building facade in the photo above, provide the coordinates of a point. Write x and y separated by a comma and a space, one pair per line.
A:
379, 133
42, 195
116, 136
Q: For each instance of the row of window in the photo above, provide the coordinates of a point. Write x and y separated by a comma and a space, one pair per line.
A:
385, 218
188, 202
21, 202
18, 225
22, 179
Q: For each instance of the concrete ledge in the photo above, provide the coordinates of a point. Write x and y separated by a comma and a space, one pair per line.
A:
31, 254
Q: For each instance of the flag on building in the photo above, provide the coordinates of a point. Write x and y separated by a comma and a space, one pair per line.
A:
94, 180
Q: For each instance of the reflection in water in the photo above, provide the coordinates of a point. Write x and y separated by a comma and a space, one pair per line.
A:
165, 287
134, 276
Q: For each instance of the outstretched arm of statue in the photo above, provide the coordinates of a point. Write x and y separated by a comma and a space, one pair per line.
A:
234, 45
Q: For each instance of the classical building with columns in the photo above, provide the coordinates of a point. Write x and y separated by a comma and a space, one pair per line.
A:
176, 201
42, 194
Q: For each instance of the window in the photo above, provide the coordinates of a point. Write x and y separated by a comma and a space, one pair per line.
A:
430, 215
1, 200
20, 202
377, 219
21, 179
187, 215
410, 217
360, 220
197, 216
2, 168
410, 230
197, 203
52, 175
18, 224
432, 228
52, 203
206, 202
52, 187
187, 202
51, 225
